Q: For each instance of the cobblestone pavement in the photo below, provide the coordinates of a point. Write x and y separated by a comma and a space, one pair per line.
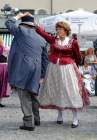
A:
11, 118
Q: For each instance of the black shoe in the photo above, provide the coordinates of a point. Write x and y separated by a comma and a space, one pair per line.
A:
59, 122
74, 126
37, 123
1, 105
27, 128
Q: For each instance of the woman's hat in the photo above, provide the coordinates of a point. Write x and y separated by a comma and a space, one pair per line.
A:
27, 20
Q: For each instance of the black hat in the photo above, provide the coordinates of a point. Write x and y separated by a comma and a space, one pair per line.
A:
27, 20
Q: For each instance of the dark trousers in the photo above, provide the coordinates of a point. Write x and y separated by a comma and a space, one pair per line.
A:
35, 108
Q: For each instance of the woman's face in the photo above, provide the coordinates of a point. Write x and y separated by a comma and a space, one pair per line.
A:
90, 52
61, 32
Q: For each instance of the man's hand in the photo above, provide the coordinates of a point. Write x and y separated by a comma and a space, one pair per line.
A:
41, 81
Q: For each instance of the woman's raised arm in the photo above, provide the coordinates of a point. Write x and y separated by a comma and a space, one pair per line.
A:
50, 39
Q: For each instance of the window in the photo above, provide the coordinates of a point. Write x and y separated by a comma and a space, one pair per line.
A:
32, 11
42, 12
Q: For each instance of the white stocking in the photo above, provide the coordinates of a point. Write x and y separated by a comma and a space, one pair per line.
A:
75, 119
59, 118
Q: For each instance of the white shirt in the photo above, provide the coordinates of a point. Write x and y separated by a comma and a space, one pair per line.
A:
62, 43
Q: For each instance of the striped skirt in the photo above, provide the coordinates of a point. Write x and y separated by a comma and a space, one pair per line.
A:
63, 88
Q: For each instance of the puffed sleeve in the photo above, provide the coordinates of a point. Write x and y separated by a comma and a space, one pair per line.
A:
76, 52
50, 39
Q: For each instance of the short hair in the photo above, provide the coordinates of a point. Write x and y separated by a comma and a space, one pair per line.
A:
90, 50
74, 35
65, 26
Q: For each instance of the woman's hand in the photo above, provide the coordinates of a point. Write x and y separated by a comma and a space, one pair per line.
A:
28, 14
20, 15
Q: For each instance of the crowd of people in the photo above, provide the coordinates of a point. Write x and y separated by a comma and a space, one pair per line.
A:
88, 70
50, 79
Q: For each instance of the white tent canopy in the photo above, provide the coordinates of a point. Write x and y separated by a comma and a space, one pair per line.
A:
48, 23
90, 35
80, 13
81, 22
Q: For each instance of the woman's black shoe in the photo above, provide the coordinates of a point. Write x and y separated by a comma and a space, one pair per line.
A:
74, 126
1, 105
27, 128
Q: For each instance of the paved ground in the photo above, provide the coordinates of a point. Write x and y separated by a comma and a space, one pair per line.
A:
11, 118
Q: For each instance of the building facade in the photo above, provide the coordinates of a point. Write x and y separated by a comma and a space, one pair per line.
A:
42, 8
51, 6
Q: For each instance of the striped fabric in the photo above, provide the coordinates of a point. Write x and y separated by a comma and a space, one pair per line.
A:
61, 87
7, 39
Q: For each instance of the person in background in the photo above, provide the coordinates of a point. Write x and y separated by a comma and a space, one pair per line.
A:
3, 58
63, 87
90, 58
74, 36
1, 46
25, 69
88, 74
3, 74
90, 55
83, 53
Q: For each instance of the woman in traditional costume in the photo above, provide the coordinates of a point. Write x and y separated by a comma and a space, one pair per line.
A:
63, 87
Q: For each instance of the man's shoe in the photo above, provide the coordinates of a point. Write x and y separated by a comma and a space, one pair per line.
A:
27, 128
37, 123
59, 122
1, 105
